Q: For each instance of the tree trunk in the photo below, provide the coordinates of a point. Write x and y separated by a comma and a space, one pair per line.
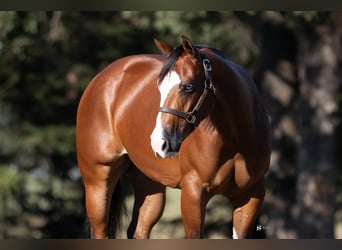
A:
276, 75
318, 61
299, 72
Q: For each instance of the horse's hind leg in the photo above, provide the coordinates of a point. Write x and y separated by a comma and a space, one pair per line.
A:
245, 210
148, 205
100, 181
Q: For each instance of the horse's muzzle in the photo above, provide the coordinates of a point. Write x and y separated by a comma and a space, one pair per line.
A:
165, 144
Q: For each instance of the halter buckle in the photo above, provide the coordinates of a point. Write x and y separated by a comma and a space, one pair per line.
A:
210, 86
190, 118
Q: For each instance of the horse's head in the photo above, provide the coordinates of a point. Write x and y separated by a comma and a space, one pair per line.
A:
184, 82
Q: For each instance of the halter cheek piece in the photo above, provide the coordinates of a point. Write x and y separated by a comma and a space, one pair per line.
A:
190, 116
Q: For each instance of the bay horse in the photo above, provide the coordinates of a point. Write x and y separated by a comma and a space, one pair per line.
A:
190, 119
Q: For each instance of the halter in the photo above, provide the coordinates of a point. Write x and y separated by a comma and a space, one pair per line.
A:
190, 116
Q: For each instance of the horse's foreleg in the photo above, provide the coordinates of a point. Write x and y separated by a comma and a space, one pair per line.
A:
193, 204
148, 205
246, 210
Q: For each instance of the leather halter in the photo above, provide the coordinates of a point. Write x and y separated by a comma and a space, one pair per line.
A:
190, 116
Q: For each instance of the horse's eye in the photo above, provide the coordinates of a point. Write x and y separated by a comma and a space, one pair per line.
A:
188, 88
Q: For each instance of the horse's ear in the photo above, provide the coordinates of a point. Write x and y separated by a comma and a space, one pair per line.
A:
164, 48
188, 46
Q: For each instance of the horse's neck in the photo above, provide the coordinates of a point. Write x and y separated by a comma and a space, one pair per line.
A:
233, 107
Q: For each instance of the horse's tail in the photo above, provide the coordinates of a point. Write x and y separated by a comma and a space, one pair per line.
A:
116, 211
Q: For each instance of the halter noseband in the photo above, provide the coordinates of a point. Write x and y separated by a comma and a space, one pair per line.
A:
190, 116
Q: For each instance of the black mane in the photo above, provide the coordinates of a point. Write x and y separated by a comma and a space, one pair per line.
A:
170, 62
176, 53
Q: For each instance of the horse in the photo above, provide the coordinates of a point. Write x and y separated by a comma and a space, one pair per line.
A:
189, 118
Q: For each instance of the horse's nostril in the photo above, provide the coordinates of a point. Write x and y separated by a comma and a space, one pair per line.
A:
166, 145
170, 144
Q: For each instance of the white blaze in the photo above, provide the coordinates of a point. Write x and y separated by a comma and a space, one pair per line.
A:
169, 81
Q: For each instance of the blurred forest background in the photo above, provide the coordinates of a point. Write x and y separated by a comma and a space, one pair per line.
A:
48, 58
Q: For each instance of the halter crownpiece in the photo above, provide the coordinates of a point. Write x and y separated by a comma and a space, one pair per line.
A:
207, 72
190, 117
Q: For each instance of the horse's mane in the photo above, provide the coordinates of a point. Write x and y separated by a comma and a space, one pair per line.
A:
170, 62
176, 53
215, 50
